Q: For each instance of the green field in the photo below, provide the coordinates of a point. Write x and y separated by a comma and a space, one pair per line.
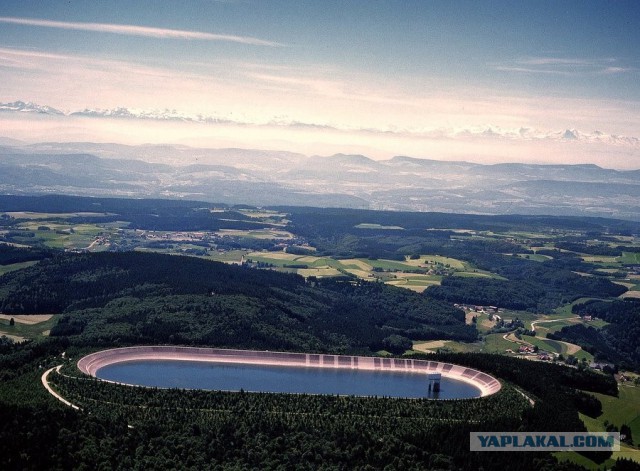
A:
523, 235
554, 346
535, 257
583, 354
15, 266
365, 225
446, 261
229, 256
630, 258
553, 326
393, 272
278, 259
319, 272
604, 260
548, 345
494, 343
444, 345
524, 316
483, 324
565, 311
624, 409
597, 323
58, 235
29, 331
415, 284
388, 264
563, 348
556, 325
479, 274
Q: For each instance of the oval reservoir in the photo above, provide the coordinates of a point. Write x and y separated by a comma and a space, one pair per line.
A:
284, 372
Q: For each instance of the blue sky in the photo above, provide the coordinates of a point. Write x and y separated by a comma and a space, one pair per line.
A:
482, 81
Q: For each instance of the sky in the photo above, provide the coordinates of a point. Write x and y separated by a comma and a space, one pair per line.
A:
498, 81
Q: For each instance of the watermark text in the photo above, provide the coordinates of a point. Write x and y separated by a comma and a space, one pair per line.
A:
544, 441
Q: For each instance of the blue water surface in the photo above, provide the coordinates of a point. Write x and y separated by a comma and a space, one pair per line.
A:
282, 379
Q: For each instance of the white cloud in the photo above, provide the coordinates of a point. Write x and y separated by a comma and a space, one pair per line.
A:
529, 70
563, 66
556, 61
145, 31
617, 70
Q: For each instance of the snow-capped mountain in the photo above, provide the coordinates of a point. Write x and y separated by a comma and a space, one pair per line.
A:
536, 134
28, 107
468, 132
121, 112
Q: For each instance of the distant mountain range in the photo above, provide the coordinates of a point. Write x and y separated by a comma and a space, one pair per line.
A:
483, 131
263, 178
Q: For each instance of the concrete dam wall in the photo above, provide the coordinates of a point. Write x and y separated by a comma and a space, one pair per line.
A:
90, 364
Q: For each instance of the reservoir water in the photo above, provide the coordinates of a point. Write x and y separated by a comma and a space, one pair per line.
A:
284, 379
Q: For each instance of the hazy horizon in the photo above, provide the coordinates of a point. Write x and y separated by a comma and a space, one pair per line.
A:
543, 83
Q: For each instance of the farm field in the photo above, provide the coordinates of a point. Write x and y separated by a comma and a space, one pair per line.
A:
432, 346
558, 347
319, 272
14, 266
414, 282
565, 311
545, 326
392, 272
63, 236
495, 343
426, 260
479, 274
483, 323
630, 258
365, 225
27, 326
535, 257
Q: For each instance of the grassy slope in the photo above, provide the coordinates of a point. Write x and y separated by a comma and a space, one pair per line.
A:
615, 410
25, 330
15, 266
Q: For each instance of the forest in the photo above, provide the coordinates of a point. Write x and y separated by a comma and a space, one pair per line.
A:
537, 287
126, 298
